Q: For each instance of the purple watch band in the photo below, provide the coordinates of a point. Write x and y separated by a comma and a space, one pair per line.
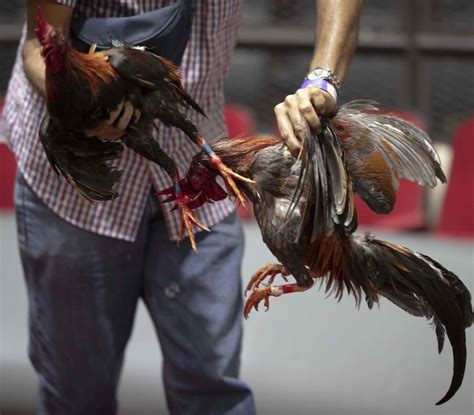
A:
323, 84
320, 83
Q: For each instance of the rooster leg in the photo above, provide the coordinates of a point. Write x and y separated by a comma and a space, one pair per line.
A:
225, 172
149, 148
271, 270
171, 116
265, 293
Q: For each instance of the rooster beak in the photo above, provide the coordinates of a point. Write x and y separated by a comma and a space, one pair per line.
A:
42, 27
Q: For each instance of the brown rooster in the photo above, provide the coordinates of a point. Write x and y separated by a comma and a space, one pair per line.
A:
82, 89
305, 210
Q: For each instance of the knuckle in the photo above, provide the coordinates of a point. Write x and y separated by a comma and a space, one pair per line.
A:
314, 90
278, 108
305, 107
319, 100
290, 99
301, 93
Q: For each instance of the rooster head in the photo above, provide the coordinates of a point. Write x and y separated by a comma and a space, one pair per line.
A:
201, 178
53, 44
198, 187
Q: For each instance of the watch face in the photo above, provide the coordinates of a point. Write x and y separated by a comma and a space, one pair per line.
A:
317, 73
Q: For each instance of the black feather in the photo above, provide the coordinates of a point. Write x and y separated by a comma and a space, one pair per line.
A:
81, 160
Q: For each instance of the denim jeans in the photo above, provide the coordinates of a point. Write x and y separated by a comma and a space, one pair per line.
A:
83, 290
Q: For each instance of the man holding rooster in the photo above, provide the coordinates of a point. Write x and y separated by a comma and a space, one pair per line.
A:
87, 265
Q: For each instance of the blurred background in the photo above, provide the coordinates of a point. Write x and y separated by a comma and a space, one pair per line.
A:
309, 354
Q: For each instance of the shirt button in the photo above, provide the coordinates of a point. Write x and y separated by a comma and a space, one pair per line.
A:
172, 290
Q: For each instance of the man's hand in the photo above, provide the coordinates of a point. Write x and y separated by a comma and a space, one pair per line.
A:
300, 110
114, 127
337, 27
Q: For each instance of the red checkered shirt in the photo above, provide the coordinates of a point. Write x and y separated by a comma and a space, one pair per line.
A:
204, 67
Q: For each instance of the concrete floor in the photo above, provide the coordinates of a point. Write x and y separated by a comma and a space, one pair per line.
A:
308, 355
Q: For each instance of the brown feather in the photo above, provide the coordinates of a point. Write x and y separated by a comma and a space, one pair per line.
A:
375, 170
93, 67
239, 152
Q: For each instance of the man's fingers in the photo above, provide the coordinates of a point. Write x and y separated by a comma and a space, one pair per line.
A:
110, 134
300, 112
300, 126
309, 114
307, 110
322, 100
115, 113
114, 127
286, 129
125, 117
103, 127
96, 132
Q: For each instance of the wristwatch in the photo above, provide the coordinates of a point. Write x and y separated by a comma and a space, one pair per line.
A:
324, 73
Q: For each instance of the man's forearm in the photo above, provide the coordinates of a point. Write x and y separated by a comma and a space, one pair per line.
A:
33, 65
337, 27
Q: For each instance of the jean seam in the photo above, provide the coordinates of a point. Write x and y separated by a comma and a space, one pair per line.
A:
22, 207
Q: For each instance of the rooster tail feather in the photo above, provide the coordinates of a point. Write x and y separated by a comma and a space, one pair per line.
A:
82, 161
189, 101
412, 281
420, 286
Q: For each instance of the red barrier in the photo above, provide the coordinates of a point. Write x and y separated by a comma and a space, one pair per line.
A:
457, 215
239, 120
7, 171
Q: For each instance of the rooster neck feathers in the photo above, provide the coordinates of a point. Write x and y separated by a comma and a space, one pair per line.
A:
239, 152
93, 67
53, 44
70, 70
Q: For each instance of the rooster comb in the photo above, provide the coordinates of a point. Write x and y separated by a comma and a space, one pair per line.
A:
42, 27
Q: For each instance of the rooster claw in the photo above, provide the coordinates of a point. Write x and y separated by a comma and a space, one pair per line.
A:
229, 175
271, 270
256, 297
188, 219
184, 204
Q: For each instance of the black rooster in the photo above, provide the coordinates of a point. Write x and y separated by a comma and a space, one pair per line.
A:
82, 89
305, 210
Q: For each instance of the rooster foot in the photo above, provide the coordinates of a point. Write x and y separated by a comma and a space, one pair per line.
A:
187, 215
188, 219
271, 270
259, 294
264, 293
229, 175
